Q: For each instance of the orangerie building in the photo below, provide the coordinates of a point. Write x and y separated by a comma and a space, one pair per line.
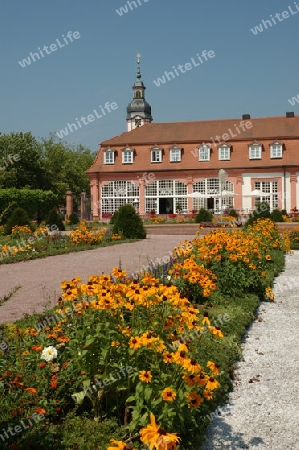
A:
154, 166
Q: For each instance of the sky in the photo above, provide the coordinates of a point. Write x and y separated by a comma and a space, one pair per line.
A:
79, 72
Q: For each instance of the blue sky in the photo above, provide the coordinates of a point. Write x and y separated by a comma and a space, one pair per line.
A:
254, 74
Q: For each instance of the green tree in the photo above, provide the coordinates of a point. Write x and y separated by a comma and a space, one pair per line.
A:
66, 166
21, 162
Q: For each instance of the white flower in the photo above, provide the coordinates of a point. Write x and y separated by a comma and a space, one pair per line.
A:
49, 353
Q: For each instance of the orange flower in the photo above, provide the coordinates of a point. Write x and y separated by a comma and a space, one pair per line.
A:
37, 348
40, 411
63, 339
42, 365
31, 390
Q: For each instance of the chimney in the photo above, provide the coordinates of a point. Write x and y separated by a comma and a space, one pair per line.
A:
290, 114
245, 116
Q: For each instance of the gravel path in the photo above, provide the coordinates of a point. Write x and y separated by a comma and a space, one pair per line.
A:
263, 410
40, 279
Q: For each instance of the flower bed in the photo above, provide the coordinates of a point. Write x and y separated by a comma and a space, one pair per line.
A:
142, 352
24, 244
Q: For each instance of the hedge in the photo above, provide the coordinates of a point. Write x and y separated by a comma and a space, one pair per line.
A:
36, 202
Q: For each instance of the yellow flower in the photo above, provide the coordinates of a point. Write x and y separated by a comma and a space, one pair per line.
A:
135, 342
168, 357
191, 365
194, 400
156, 437
168, 395
205, 319
214, 367
145, 376
119, 445
212, 384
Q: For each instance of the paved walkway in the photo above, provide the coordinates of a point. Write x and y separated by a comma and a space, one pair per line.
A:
40, 279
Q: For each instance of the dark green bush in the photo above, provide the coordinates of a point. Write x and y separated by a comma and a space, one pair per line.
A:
262, 211
7, 212
74, 219
276, 215
113, 218
18, 217
233, 213
55, 219
128, 224
203, 215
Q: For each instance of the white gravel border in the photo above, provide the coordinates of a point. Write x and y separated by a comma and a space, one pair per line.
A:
263, 409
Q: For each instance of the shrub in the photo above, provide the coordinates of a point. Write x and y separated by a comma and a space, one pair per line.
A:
277, 215
262, 211
55, 219
113, 218
35, 201
19, 217
7, 212
203, 215
233, 213
128, 223
74, 219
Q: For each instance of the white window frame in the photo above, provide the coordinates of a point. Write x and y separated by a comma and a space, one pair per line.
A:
175, 154
110, 159
204, 153
276, 150
127, 156
222, 148
253, 149
156, 154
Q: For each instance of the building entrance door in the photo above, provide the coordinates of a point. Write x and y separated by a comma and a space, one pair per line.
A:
165, 205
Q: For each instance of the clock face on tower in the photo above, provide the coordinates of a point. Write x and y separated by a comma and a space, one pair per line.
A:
137, 122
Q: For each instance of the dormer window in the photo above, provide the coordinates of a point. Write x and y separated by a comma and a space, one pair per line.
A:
224, 152
175, 153
156, 154
276, 150
204, 152
127, 155
109, 156
255, 150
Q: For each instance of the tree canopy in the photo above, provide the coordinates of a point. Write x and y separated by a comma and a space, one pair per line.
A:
46, 163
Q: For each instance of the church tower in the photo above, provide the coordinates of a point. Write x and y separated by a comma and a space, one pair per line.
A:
139, 111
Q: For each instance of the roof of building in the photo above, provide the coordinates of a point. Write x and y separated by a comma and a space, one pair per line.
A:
208, 130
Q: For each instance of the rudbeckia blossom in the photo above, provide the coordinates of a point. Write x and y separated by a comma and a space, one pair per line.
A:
168, 395
119, 445
145, 376
156, 437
